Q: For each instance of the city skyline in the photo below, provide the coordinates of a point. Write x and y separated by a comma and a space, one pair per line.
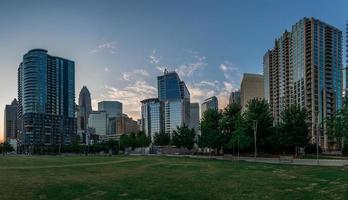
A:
210, 48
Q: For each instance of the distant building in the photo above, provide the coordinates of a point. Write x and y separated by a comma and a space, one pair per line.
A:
210, 104
194, 116
46, 100
10, 118
251, 88
112, 108
84, 109
126, 125
98, 121
151, 116
176, 101
235, 97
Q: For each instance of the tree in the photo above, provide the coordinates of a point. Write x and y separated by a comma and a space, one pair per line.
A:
211, 136
162, 139
293, 128
228, 120
143, 140
184, 137
6, 147
258, 109
124, 141
239, 137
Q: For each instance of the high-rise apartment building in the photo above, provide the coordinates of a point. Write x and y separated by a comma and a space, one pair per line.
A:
251, 87
126, 125
234, 97
306, 70
176, 101
10, 118
210, 103
46, 99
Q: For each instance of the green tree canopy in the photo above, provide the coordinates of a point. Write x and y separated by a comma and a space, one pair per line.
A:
211, 136
293, 127
258, 109
184, 137
161, 139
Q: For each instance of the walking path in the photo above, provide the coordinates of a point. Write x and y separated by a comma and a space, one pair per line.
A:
308, 162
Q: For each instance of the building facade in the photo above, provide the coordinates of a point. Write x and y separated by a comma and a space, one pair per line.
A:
126, 125
152, 116
112, 108
235, 97
210, 104
46, 100
194, 116
98, 121
10, 119
176, 101
251, 87
83, 110
306, 71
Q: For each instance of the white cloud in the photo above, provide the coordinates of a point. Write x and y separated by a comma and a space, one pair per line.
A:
188, 69
106, 69
134, 75
110, 47
154, 58
131, 95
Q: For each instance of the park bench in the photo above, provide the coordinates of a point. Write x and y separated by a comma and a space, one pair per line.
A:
286, 159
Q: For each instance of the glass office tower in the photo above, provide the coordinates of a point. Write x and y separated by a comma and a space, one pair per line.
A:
152, 117
176, 99
46, 98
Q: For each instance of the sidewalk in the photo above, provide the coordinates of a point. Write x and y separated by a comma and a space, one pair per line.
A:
307, 162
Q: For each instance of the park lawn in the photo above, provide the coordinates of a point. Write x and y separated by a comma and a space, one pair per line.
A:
142, 177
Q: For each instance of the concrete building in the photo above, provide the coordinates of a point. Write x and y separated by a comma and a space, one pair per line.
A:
126, 125
306, 70
98, 121
46, 100
10, 119
194, 116
210, 103
251, 88
234, 97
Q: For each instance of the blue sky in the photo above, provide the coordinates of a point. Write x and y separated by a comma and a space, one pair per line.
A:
119, 47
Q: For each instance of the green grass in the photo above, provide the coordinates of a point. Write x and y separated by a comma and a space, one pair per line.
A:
162, 178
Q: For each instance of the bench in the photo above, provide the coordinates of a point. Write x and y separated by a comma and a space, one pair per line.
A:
286, 159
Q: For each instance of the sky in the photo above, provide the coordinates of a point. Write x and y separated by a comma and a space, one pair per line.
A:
120, 47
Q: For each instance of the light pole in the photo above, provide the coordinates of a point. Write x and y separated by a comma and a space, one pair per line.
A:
317, 137
255, 131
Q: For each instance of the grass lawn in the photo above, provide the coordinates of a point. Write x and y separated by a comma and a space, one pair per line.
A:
137, 177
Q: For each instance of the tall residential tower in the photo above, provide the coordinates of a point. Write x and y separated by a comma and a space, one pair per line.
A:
46, 99
305, 69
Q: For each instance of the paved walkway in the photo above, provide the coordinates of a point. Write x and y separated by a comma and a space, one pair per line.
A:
309, 162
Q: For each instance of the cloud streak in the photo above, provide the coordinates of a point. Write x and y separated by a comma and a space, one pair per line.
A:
110, 47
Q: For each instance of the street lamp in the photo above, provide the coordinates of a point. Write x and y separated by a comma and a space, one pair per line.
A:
317, 137
255, 131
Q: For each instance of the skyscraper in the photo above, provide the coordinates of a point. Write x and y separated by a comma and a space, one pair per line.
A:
98, 121
176, 99
112, 108
194, 116
152, 116
235, 97
306, 71
210, 104
85, 108
251, 88
46, 97
10, 117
